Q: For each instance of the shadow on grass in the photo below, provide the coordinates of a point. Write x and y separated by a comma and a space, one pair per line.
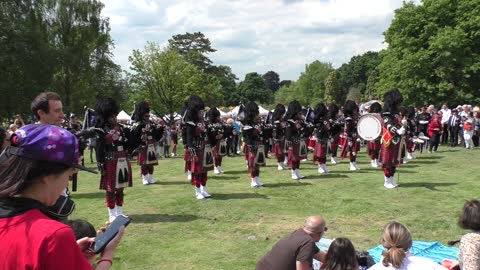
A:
223, 177
157, 218
431, 186
430, 156
238, 172
327, 176
172, 183
288, 184
91, 195
425, 161
237, 196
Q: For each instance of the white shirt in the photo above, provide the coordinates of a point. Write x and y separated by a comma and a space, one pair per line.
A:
446, 113
411, 263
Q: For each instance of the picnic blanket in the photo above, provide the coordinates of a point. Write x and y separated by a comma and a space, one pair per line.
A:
432, 250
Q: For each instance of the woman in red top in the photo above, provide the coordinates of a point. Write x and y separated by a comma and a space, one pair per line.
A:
435, 129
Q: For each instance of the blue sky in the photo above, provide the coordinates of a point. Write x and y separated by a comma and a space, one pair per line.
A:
256, 36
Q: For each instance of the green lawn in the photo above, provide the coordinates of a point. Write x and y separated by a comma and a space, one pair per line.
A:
172, 230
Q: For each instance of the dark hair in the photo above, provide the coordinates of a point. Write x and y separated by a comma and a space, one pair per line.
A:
3, 135
470, 218
375, 108
278, 112
213, 114
141, 108
251, 112
410, 112
320, 112
332, 111
193, 105
40, 102
294, 108
350, 108
81, 228
18, 173
392, 99
341, 255
105, 108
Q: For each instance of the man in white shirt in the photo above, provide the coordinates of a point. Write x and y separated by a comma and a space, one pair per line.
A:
446, 113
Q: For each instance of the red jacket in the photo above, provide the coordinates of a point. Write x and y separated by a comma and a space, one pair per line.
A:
434, 127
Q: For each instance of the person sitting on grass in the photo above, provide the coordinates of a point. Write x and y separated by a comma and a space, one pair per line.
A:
340, 256
469, 248
397, 240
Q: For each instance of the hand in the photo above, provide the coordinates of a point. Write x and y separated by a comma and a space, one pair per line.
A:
401, 131
109, 250
84, 245
350, 143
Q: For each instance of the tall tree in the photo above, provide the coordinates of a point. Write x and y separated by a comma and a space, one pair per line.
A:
165, 76
332, 89
27, 58
253, 88
310, 87
81, 36
231, 96
434, 52
272, 81
194, 47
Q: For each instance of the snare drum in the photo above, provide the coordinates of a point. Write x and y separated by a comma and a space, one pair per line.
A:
370, 126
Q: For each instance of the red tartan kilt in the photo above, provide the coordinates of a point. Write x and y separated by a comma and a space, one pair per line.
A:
251, 155
311, 144
108, 181
373, 145
389, 156
142, 158
186, 158
294, 154
341, 141
215, 151
196, 163
278, 147
320, 150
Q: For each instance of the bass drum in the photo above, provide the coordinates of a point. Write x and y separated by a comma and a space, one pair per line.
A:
370, 126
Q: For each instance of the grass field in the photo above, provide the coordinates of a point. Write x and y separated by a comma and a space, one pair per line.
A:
172, 230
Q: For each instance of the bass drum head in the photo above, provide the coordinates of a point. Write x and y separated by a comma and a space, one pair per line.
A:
370, 126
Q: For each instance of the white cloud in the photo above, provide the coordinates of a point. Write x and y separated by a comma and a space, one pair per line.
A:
256, 36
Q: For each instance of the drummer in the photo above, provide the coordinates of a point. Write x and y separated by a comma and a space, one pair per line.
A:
373, 146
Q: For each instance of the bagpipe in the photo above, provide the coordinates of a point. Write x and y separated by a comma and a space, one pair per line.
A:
217, 129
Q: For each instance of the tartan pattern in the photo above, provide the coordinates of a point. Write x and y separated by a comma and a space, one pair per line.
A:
277, 149
253, 168
334, 144
389, 155
108, 181
215, 153
199, 179
294, 157
186, 158
114, 198
373, 146
346, 148
320, 151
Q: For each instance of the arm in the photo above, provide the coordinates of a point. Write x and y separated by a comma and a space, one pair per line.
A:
302, 266
320, 256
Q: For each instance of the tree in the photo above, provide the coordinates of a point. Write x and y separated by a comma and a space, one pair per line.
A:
434, 52
286, 93
310, 87
231, 96
27, 58
285, 83
272, 81
253, 89
332, 89
371, 91
194, 47
81, 37
355, 73
354, 94
165, 76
